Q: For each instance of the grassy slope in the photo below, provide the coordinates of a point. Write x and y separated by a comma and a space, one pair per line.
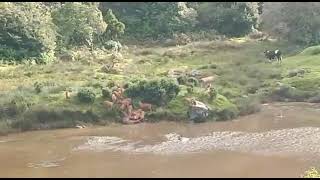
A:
240, 66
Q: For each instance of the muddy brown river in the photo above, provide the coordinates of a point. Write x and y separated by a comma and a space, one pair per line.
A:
280, 141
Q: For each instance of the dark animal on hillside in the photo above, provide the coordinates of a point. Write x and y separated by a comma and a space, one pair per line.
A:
271, 55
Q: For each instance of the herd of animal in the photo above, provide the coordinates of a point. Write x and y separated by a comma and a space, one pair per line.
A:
125, 105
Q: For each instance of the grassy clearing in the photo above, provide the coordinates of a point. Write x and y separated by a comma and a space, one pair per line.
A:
244, 79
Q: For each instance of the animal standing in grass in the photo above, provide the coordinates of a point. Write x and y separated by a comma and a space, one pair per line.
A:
271, 55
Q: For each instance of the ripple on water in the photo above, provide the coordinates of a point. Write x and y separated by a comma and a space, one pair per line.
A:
46, 164
298, 141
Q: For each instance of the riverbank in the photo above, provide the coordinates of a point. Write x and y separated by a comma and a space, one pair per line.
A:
63, 152
33, 96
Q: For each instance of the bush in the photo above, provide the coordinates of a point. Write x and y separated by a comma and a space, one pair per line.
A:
181, 39
248, 106
17, 104
227, 113
38, 87
106, 93
156, 91
86, 95
26, 32
286, 92
113, 45
212, 94
182, 80
193, 81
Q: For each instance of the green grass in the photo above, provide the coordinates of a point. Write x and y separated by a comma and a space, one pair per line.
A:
239, 65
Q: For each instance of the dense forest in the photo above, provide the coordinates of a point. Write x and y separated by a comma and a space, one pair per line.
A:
64, 64
41, 30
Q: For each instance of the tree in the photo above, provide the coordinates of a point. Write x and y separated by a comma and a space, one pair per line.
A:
298, 22
229, 18
115, 27
153, 19
78, 24
26, 31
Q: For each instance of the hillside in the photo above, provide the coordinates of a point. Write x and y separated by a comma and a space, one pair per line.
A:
244, 80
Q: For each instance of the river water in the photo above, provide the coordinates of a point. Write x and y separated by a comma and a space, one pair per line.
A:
280, 141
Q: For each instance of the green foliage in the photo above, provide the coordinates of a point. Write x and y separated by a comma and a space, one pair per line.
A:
287, 92
113, 45
38, 87
233, 19
312, 173
17, 103
106, 93
153, 19
115, 27
156, 91
78, 24
298, 22
212, 93
86, 95
26, 32
248, 105
313, 50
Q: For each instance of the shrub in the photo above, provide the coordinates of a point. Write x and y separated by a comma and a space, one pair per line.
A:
86, 95
181, 39
111, 84
182, 80
38, 87
190, 89
26, 32
248, 106
106, 93
113, 45
212, 93
18, 103
312, 173
226, 113
286, 92
156, 91
193, 81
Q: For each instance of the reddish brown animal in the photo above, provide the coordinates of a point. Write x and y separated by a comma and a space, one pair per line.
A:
108, 104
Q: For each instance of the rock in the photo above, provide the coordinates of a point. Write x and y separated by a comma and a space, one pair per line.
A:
198, 111
296, 72
80, 126
173, 137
